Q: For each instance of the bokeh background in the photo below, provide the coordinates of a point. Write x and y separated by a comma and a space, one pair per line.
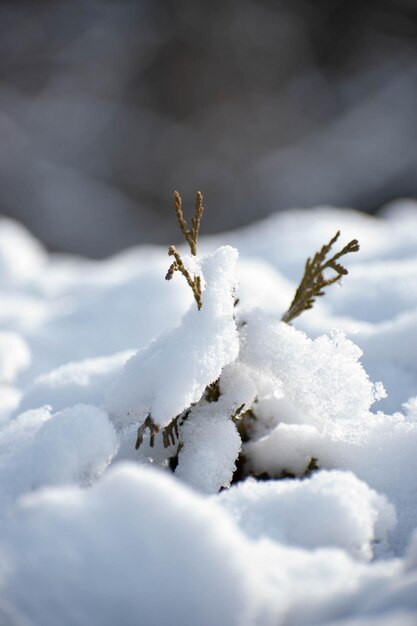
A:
106, 107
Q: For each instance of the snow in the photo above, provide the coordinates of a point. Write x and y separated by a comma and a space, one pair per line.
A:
323, 379
39, 448
77, 382
232, 526
172, 372
328, 509
121, 531
21, 255
211, 445
14, 356
104, 547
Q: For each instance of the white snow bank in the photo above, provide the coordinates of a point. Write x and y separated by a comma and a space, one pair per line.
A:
78, 382
366, 297
21, 255
38, 449
9, 401
381, 450
86, 554
328, 509
390, 355
14, 356
93, 556
172, 372
285, 239
77, 309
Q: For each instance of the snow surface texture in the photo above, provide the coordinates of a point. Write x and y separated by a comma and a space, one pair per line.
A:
328, 509
171, 373
88, 349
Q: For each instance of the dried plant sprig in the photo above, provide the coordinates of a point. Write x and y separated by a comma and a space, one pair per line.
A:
191, 237
178, 266
212, 391
313, 281
153, 428
170, 433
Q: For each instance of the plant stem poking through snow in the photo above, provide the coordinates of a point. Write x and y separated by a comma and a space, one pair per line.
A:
153, 430
313, 280
191, 237
170, 434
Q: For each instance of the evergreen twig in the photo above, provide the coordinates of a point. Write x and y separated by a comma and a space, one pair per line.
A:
170, 433
313, 281
191, 237
153, 428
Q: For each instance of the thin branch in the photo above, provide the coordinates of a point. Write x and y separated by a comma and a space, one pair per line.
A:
313, 281
153, 428
196, 220
170, 433
178, 266
191, 237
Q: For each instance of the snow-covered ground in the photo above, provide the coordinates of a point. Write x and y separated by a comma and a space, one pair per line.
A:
96, 533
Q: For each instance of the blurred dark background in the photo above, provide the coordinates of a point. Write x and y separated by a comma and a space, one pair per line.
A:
106, 107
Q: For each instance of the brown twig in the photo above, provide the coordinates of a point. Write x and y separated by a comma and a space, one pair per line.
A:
178, 266
191, 237
313, 281
153, 430
171, 433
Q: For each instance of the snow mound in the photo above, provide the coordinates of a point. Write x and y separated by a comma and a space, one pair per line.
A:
328, 509
210, 440
39, 449
89, 348
211, 444
21, 255
94, 557
321, 379
77, 382
172, 372
14, 356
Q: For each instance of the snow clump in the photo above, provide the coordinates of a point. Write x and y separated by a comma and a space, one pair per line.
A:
172, 372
